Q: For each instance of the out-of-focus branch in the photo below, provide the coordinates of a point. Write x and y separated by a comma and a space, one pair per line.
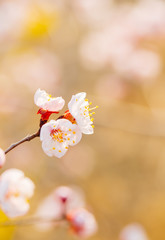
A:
30, 221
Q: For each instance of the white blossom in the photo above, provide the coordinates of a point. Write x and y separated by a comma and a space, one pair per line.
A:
80, 110
45, 101
56, 205
2, 157
133, 231
15, 191
82, 222
56, 136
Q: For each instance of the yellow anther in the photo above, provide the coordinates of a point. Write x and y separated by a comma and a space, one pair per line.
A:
74, 132
54, 126
66, 147
93, 126
66, 134
76, 100
59, 150
70, 129
90, 103
73, 141
53, 148
68, 138
90, 114
86, 99
50, 95
92, 119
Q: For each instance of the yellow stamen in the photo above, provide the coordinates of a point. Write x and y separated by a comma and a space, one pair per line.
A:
93, 126
73, 141
74, 132
59, 150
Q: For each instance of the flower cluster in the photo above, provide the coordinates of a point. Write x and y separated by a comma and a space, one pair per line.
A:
15, 191
66, 203
58, 135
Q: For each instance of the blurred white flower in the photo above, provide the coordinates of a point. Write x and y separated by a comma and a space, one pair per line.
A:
57, 204
133, 232
2, 158
82, 222
140, 65
15, 191
45, 101
80, 110
34, 69
56, 136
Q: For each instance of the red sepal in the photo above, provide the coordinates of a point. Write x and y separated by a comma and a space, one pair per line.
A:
45, 114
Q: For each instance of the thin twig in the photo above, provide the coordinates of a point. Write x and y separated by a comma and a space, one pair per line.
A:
26, 139
30, 221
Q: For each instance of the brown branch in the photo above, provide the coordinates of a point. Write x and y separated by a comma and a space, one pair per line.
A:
26, 139
30, 221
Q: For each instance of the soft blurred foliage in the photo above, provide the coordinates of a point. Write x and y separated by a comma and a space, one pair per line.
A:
114, 51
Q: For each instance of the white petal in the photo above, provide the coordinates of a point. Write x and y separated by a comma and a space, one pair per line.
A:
54, 104
43, 100
40, 98
2, 158
76, 135
46, 130
26, 188
15, 206
12, 174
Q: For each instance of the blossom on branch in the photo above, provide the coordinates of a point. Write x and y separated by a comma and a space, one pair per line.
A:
56, 136
47, 104
82, 222
81, 113
67, 204
15, 191
2, 158
56, 205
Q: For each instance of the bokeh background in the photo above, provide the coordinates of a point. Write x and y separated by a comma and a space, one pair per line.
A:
115, 51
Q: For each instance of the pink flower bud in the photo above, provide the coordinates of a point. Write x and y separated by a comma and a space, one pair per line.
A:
82, 222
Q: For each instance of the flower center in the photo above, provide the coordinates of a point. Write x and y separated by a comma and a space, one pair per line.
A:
57, 135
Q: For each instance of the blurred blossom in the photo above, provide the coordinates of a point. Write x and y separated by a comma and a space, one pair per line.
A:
133, 232
111, 87
82, 222
140, 65
117, 42
93, 11
2, 158
12, 18
58, 203
34, 69
15, 191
